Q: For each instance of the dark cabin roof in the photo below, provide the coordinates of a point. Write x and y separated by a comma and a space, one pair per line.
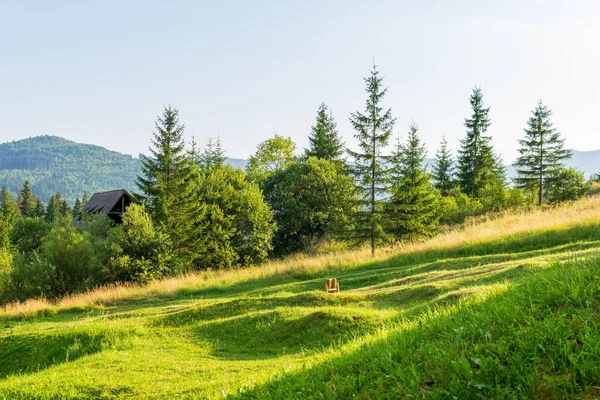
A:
104, 202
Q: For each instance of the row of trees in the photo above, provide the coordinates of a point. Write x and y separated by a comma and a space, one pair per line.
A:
194, 211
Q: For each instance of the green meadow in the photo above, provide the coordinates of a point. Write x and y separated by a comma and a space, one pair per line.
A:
504, 307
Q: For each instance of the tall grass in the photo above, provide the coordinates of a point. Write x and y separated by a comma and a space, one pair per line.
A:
477, 232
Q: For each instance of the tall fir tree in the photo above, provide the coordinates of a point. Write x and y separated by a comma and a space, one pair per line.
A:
411, 212
213, 155
28, 201
167, 187
541, 154
40, 210
77, 208
373, 130
9, 212
194, 152
58, 211
443, 169
324, 140
477, 164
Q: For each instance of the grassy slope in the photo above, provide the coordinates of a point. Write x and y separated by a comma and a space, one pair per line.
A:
508, 308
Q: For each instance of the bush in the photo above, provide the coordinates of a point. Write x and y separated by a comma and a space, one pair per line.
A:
458, 206
136, 250
566, 185
239, 226
312, 200
98, 225
6, 259
27, 234
32, 276
76, 261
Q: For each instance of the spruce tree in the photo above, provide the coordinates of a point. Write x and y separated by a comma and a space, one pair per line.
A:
28, 200
58, 210
40, 210
373, 130
194, 153
213, 155
324, 141
477, 163
411, 212
167, 186
443, 169
541, 154
9, 212
77, 208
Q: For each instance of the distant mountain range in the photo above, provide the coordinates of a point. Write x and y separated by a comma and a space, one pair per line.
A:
54, 164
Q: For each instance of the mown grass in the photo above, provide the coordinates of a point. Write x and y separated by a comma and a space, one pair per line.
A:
503, 308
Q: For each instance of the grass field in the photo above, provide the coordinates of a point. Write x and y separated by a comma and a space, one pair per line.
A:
507, 307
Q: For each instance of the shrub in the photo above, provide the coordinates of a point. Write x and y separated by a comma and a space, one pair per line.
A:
32, 276
567, 184
27, 234
239, 226
458, 206
136, 251
75, 259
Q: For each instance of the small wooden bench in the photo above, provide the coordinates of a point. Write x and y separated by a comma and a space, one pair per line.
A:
332, 286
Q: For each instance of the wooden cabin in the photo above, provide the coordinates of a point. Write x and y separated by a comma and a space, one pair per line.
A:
112, 203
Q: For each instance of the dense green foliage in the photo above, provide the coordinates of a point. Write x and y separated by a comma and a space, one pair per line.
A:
324, 139
312, 202
271, 155
542, 153
412, 211
167, 188
566, 184
479, 170
52, 164
371, 172
240, 226
443, 169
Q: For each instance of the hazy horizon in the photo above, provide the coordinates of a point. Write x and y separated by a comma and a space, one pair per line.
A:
101, 73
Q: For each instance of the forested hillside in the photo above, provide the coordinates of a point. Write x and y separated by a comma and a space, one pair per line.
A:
53, 164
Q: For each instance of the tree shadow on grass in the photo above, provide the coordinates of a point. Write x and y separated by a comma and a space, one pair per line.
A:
273, 334
372, 288
462, 256
24, 354
460, 351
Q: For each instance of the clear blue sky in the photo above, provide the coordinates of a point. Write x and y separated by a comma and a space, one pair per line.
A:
100, 72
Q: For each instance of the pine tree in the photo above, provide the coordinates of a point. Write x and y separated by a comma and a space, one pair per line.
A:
374, 129
411, 212
58, 211
40, 210
28, 201
193, 152
167, 185
213, 155
9, 212
477, 163
77, 208
443, 169
541, 153
324, 140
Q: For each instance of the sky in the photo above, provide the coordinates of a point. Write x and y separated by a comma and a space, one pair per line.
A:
100, 72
